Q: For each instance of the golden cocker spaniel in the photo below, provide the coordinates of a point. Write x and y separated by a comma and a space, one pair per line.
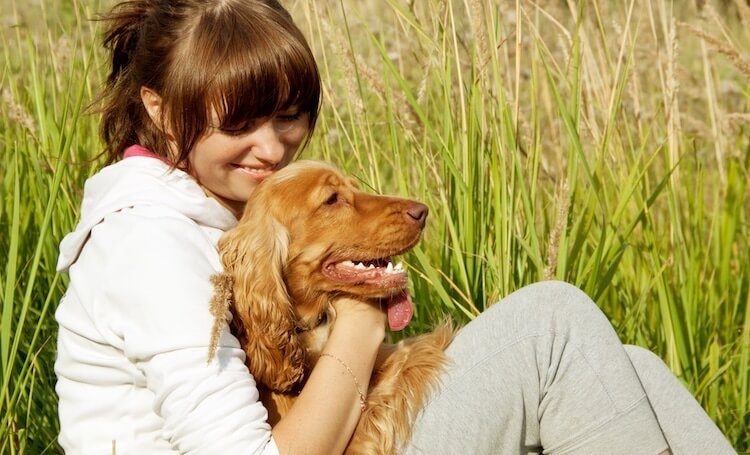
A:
309, 236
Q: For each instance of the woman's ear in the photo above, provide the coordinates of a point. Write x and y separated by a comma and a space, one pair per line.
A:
152, 102
255, 253
154, 106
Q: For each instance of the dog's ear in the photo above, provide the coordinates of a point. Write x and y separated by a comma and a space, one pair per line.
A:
352, 182
254, 254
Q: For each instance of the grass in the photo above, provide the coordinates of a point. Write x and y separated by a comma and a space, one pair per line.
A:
598, 142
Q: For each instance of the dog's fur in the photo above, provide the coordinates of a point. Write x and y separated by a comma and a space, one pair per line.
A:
296, 223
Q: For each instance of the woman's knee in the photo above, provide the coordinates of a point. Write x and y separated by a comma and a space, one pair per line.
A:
553, 300
644, 359
544, 308
553, 293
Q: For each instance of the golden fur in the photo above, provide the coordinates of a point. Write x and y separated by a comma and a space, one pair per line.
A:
296, 223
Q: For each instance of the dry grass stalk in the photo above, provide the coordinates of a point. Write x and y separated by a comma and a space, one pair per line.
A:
219, 307
634, 88
710, 14
438, 17
18, 113
519, 48
696, 126
349, 81
422, 87
738, 117
714, 111
476, 18
730, 52
563, 207
744, 11
61, 59
401, 105
734, 121
672, 104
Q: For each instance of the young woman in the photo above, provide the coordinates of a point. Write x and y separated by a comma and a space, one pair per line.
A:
205, 99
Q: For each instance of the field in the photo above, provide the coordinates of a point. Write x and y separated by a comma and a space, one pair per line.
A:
605, 143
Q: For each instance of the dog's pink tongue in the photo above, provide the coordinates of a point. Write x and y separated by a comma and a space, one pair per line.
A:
400, 310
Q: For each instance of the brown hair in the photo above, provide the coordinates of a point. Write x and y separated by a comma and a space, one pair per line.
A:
243, 59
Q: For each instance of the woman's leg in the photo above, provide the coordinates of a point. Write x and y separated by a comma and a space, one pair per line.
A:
685, 425
542, 368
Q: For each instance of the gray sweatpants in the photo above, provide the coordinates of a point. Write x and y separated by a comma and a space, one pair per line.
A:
543, 371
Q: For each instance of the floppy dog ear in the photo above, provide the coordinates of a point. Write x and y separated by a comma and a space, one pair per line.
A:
254, 254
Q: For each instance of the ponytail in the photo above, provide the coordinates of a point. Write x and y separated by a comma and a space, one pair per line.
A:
124, 119
121, 38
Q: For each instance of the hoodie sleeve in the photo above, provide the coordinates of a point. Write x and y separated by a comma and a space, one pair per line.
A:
158, 291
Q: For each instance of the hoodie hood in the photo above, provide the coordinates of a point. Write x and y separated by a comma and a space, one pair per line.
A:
140, 179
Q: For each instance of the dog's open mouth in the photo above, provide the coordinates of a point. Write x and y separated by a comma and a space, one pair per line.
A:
376, 272
381, 273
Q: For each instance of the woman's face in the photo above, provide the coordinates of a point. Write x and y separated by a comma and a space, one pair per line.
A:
230, 165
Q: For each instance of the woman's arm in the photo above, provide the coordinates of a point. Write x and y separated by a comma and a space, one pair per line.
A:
152, 304
324, 416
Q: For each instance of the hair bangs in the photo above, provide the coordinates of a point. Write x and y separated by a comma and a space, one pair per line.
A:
263, 70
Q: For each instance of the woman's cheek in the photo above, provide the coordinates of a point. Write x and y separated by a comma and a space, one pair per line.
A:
295, 136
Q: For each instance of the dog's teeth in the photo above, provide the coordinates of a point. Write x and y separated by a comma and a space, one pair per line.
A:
399, 267
348, 263
371, 266
360, 266
389, 269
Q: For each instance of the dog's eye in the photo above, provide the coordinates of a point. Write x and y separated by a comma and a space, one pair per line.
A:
332, 199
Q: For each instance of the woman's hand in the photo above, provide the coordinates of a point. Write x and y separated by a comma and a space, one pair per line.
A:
368, 316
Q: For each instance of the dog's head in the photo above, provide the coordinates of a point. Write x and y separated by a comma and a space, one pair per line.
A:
309, 235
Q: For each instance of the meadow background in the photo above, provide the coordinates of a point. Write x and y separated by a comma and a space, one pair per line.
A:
601, 142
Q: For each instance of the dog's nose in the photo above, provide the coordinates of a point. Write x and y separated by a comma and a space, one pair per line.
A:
417, 212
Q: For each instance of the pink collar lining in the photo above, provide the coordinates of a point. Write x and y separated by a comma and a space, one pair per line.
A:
137, 150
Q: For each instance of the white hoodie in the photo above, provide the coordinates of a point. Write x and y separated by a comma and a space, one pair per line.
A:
135, 323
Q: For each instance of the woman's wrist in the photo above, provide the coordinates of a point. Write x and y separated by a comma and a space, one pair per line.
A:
360, 331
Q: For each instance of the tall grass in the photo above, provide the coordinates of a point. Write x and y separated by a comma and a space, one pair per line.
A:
603, 143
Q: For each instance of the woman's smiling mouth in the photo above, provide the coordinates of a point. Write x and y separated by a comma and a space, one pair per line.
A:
258, 174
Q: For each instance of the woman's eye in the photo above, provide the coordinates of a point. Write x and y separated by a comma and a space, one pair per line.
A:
234, 132
286, 122
289, 117
332, 199
238, 130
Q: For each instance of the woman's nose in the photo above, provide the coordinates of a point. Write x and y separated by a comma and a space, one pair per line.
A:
267, 145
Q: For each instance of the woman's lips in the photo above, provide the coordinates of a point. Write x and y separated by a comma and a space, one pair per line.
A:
254, 173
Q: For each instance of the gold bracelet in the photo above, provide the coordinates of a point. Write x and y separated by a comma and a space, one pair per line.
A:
356, 383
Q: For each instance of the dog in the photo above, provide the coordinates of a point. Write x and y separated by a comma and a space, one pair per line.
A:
309, 236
